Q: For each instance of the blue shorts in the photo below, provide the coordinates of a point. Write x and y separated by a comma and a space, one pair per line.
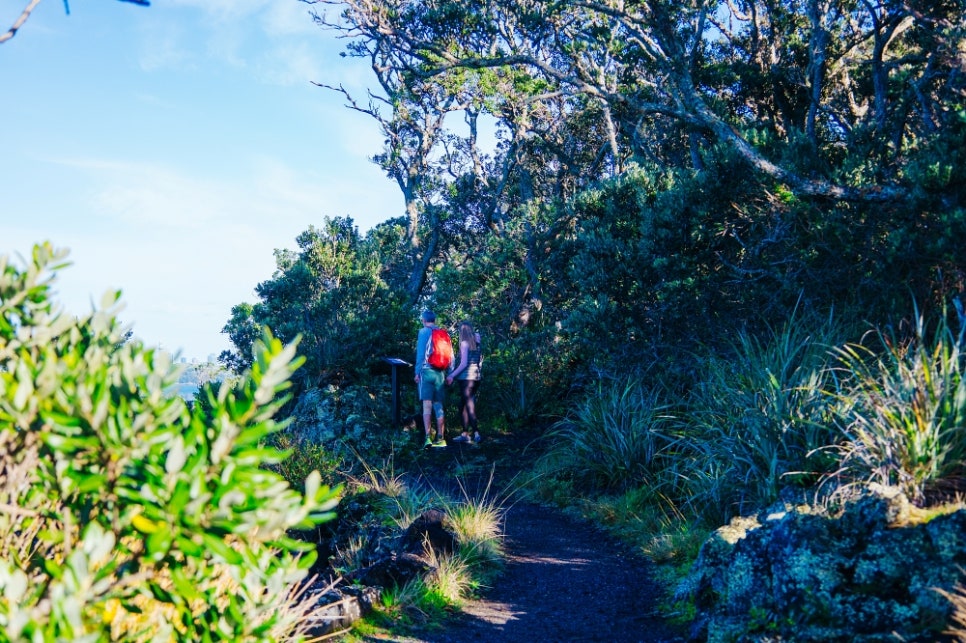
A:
432, 385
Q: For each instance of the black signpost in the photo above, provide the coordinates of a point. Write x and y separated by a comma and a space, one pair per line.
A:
395, 362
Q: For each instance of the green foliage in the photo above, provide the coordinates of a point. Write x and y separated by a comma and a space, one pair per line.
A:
145, 520
299, 458
903, 409
614, 222
331, 294
526, 365
477, 521
615, 439
349, 422
757, 420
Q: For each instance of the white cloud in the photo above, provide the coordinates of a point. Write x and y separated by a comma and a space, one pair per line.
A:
185, 248
162, 46
278, 41
290, 63
289, 18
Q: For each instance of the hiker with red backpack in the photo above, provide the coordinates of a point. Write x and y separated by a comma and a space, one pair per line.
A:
434, 356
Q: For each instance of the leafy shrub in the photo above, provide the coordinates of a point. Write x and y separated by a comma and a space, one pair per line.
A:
125, 515
521, 385
301, 458
344, 424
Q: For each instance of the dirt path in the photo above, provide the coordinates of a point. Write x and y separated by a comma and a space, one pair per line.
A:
565, 580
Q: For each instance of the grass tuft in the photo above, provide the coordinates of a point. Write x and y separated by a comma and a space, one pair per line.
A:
612, 440
477, 522
903, 410
757, 421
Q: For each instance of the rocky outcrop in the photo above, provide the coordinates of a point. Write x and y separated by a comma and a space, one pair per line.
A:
429, 530
337, 608
868, 572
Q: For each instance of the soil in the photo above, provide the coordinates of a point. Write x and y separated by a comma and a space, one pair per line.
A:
564, 580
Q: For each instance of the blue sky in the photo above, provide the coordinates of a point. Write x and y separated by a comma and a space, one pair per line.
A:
173, 148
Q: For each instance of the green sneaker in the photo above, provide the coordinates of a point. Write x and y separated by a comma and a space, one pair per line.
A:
428, 442
440, 442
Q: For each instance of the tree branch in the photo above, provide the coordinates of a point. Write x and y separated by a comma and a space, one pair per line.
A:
10, 33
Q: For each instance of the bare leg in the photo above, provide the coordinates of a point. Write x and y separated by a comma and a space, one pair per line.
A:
427, 415
437, 408
464, 414
468, 405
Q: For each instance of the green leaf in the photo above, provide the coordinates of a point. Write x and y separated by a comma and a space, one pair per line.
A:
158, 543
183, 583
221, 549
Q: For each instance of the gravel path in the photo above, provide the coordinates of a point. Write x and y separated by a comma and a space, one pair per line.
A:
565, 580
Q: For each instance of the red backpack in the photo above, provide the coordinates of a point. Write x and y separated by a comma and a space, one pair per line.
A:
439, 355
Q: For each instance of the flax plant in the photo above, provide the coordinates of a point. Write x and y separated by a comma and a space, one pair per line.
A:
612, 441
903, 410
759, 419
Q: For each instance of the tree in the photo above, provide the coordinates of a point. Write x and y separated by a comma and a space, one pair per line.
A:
329, 293
832, 74
19, 22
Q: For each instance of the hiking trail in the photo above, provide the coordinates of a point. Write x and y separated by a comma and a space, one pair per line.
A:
564, 579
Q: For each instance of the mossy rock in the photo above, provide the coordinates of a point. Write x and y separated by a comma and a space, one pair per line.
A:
866, 573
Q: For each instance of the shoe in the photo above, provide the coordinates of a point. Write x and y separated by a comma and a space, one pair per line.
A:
477, 438
428, 442
440, 442
461, 438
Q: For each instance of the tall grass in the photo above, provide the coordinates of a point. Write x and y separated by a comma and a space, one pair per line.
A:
957, 601
450, 579
612, 440
903, 409
477, 522
399, 501
758, 420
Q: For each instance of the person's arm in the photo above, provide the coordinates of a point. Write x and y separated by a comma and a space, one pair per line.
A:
421, 341
464, 357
